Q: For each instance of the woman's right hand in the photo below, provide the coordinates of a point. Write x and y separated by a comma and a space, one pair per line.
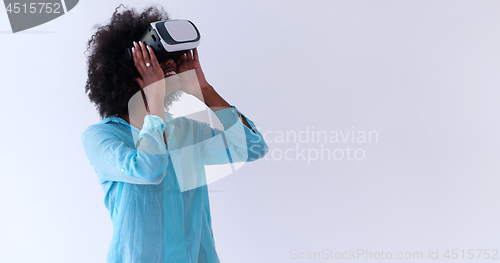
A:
152, 81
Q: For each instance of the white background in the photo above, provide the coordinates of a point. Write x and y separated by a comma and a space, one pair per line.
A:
423, 74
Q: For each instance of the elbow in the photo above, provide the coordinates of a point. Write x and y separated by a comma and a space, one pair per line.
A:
257, 147
156, 180
257, 151
151, 170
141, 177
247, 154
152, 178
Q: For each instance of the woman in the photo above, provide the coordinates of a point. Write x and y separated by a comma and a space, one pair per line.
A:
152, 169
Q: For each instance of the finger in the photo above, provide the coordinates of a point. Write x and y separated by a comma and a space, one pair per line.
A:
156, 64
137, 62
189, 55
195, 52
138, 52
145, 55
138, 55
183, 57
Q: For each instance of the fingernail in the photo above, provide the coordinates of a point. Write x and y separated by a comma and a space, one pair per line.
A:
133, 50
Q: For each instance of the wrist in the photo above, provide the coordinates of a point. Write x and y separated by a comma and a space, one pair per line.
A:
158, 110
156, 105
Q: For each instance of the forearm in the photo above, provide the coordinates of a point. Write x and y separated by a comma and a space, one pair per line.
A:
156, 107
212, 99
215, 102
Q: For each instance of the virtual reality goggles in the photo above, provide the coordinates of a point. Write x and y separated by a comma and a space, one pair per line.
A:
169, 39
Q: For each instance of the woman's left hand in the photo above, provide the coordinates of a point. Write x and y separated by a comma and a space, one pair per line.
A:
189, 62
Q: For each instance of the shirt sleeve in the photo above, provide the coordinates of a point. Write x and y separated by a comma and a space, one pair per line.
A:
237, 143
114, 160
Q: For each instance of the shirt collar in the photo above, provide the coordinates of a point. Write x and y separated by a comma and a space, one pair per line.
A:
114, 118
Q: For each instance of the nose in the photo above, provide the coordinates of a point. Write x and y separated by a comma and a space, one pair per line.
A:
168, 63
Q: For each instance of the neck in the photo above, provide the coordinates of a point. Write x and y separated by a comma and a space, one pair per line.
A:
125, 118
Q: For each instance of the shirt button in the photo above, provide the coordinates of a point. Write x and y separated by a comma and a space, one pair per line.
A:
232, 110
123, 170
173, 126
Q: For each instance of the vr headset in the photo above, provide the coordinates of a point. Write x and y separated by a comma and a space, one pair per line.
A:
169, 39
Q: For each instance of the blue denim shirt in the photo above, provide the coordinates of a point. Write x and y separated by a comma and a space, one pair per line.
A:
157, 194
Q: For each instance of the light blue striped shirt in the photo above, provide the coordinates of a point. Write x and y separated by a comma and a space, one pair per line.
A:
157, 195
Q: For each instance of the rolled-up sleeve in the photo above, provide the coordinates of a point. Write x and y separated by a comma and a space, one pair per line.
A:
114, 160
239, 143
